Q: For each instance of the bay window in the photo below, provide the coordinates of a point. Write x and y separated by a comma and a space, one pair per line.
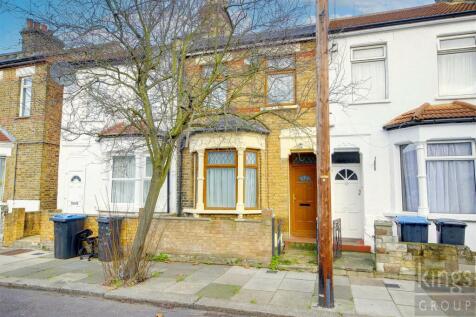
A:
251, 179
369, 73
448, 178
457, 65
220, 166
123, 179
450, 169
280, 81
409, 165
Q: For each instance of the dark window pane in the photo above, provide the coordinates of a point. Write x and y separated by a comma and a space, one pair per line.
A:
345, 157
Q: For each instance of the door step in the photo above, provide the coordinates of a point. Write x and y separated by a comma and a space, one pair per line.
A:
32, 242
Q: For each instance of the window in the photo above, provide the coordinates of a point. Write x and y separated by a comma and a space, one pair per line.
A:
2, 176
251, 179
280, 81
369, 73
220, 169
346, 175
123, 179
451, 177
217, 97
147, 178
409, 168
25, 96
457, 65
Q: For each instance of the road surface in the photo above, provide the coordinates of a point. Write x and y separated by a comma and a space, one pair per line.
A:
30, 303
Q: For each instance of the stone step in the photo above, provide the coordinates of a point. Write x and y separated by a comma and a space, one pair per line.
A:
32, 242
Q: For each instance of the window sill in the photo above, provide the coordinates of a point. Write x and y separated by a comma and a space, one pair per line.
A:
277, 107
373, 102
455, 97
222, 212
22, 117
433, 216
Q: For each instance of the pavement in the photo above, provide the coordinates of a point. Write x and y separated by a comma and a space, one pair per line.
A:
235, 289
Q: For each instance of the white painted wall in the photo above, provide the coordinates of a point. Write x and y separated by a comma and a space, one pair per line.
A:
87, 158
412, 80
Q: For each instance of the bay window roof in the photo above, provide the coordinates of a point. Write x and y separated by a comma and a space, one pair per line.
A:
454, 112
230, 123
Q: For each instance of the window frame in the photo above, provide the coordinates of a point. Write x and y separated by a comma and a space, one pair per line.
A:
256, 167
145, 178
271, 72
21, 113
132, 179
455, 50
383, 58
219, 80
206, 166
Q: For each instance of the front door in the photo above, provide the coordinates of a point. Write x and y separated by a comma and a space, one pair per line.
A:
303, 195
75, 191
347, 198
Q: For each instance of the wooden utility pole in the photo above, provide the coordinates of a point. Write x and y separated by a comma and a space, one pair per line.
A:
325, 254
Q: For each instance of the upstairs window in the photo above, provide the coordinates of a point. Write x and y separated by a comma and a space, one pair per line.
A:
123, 179
457, 65
25, 96
280, 86
218, 95
369, 73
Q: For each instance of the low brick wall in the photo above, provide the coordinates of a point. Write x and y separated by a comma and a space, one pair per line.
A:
13, 226
409, 260
32, 224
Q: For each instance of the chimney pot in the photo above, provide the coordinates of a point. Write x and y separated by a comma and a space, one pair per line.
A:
29, 24
44, 27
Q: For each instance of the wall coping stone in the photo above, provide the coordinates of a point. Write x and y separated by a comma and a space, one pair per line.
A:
384, 223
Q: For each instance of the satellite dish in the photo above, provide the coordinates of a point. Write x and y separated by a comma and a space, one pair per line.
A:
63, 73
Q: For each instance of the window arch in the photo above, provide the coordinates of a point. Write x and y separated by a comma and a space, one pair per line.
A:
346, 175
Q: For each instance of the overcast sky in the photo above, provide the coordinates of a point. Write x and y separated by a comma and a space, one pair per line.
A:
11, 24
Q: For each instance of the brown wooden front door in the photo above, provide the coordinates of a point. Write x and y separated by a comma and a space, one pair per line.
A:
303, 197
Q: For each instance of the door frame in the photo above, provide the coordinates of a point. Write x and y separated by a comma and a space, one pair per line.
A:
290, 187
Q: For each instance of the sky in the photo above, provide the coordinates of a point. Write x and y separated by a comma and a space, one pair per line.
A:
11, 23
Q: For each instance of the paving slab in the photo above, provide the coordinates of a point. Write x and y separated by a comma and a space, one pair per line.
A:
404, 298
253, 297
30, 265
302, 276
69, 277
370, 292
159, 284
342, 292
341, 280
344, 306
187, 288
266, 273
293, 299
220, 291
355, 280
263, 284
406, 286
376, 307
203, 276
137, 294
290, 284
232, 278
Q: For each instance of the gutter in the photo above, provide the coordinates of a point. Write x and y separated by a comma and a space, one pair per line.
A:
427, 122
21, 61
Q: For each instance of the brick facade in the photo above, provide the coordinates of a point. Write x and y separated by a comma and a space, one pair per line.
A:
32, 168
274, 171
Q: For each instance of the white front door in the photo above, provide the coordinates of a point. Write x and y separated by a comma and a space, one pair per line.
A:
347, 198
75, 191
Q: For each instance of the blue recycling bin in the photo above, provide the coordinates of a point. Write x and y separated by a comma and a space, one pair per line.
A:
412, 228
67, 226
109, 238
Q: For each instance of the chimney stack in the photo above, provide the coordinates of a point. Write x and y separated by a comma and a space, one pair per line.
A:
214, 19
36, 39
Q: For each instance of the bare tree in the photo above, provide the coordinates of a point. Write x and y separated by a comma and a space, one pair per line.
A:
158, 69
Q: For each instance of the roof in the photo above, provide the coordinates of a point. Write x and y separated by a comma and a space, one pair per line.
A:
119, 129
435, 11
432, 11
231, 123
456, 111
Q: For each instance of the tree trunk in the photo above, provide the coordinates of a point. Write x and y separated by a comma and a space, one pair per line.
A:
145, 220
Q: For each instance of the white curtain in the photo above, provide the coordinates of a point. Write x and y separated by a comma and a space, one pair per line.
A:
250, 187
457, 73
2, 176
221, 188
409, 177
451, 183
123, 182
369, 79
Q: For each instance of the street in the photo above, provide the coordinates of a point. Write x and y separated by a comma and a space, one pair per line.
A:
22, 302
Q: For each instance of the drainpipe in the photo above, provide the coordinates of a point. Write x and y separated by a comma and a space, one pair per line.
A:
168, 191
179, 176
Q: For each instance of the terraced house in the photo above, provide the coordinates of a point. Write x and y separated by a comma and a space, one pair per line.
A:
30, 114
403, 130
